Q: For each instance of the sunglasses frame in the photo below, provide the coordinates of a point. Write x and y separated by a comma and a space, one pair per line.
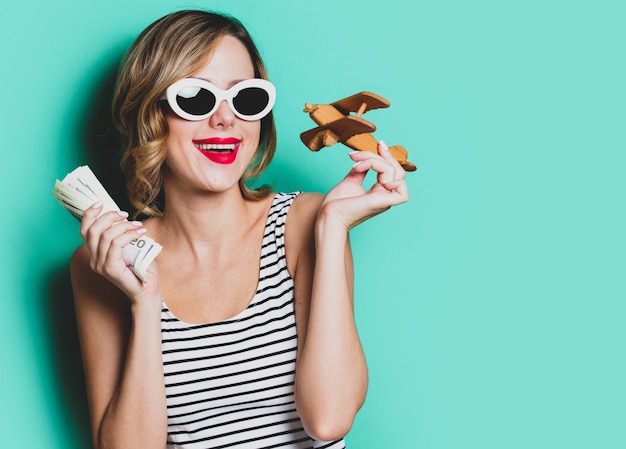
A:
220, 95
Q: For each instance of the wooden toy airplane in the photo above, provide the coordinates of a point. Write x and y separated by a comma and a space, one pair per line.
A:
336, 124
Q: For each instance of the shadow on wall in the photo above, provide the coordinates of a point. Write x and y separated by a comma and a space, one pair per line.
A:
65, 351
102, 153
101, 140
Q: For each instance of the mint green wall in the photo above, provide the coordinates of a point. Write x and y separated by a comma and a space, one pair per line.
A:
491, 306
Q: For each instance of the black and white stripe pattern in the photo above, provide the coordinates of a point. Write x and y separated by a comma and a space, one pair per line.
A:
230, 384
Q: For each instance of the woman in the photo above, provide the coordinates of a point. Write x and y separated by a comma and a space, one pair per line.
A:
243, 334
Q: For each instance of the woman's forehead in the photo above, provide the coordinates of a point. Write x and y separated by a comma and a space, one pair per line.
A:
227, 64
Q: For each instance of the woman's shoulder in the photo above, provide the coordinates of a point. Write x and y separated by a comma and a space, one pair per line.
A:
302, 217
80, 260
305, 207
300, 230
87, 285
308, 200
83, 277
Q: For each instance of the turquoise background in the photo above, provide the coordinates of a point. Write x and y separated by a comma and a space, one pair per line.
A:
491, 306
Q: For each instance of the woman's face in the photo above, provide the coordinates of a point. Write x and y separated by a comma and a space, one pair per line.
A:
212, 154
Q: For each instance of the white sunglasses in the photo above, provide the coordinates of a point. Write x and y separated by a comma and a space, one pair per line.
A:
197, 99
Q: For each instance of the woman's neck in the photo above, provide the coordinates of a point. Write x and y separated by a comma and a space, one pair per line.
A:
201, 219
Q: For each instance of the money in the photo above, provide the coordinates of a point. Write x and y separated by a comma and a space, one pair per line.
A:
79, 190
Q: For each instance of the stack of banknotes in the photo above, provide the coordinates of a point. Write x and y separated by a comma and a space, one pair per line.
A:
79, 190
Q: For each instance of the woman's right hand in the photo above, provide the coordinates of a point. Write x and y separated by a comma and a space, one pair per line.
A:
105, 236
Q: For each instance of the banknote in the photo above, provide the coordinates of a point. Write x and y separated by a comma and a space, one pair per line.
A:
79, 190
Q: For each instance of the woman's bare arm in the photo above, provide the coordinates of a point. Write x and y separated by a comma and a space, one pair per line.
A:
120, 341
331, 372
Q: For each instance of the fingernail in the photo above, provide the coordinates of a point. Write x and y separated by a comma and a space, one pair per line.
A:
97, 204
356, 163
122, 213
383, 145
141, 230
137, 223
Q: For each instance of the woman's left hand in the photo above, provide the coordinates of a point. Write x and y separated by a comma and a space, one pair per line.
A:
349, 202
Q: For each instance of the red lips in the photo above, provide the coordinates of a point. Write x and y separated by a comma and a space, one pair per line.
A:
221, 150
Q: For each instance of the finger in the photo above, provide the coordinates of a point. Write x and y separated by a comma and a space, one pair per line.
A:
385, 155
379, 199
400, 188
356, 174
115, 238
384, 151
357, 156
383, 197
93, 235
393, 185
92, 228
113, 261
90, 215
386, 172
94, 219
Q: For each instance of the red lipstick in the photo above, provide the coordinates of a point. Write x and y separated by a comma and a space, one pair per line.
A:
221, 150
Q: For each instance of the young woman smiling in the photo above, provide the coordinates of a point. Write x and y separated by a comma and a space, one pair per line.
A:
243, 334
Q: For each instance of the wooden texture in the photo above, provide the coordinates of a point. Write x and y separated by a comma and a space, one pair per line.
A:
354, 102
336, 124
338, 130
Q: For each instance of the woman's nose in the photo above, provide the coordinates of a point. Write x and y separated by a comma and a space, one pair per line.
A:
223, 116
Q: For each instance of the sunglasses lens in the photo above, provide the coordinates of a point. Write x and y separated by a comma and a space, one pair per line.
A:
195, 100
251, 101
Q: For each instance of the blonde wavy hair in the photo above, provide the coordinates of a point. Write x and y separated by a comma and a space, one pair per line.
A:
174, 47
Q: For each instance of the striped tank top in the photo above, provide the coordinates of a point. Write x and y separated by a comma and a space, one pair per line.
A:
230, 384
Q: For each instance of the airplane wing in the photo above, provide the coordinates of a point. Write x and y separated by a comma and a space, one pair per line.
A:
354, 103
338, 130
